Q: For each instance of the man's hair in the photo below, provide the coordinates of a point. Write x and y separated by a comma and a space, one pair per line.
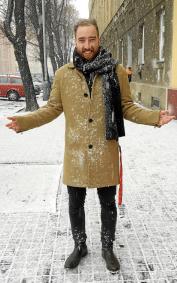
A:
86, 22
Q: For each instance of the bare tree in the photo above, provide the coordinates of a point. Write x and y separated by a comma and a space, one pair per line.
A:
3, 8
69, 18
16, 34
60, 17
34, 17
55, 10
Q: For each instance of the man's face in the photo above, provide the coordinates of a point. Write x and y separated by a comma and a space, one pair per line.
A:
87, 41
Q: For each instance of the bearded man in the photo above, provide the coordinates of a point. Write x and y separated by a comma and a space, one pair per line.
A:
94, 94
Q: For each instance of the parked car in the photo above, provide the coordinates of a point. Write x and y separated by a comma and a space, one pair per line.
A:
11, 86
37, 85
37, 80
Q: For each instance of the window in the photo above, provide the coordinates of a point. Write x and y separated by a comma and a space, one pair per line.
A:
3, 80
161, 35
122, 50
117, 50
129, 51
155, 102
15, 80
139, 96
141, 45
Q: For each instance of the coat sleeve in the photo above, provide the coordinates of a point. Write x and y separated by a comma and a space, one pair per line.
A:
46, 113
131, 111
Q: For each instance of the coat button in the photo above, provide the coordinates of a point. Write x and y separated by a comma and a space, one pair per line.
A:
86, 94
90, 146
90, 120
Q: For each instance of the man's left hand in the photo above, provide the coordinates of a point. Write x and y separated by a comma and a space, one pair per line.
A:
165, 118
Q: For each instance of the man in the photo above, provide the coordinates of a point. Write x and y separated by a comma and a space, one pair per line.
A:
93, 92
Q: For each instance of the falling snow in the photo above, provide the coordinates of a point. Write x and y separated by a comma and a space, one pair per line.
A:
35, 231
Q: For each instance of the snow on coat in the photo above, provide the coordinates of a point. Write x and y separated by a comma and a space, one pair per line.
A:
89, 159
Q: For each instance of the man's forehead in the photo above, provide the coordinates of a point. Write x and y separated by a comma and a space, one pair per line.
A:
86, 31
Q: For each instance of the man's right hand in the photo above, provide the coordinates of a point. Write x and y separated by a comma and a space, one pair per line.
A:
13, 125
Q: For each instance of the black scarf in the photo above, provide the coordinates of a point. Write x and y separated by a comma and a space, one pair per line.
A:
105, 65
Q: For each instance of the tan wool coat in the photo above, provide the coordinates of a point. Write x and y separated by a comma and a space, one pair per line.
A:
89, 159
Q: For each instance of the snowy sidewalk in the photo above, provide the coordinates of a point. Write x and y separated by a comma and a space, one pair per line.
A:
35, 238
30, 165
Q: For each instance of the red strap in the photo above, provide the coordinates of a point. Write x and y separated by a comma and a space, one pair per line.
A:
121, 179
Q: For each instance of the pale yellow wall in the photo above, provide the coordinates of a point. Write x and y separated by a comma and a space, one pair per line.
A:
147, 92
174, 48
103, 11
8, 63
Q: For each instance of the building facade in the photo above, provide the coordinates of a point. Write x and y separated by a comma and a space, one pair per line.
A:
8, 63
103, 11
142, 35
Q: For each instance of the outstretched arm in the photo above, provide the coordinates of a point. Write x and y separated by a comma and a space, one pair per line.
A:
43, 115
135, 113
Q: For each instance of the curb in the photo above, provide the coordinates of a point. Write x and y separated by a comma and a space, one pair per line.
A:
60, 184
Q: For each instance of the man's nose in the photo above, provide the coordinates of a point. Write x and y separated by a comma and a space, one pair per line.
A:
87, 44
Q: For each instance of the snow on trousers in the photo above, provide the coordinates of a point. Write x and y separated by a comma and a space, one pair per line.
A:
108, 214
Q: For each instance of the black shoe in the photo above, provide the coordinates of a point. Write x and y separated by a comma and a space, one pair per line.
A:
75, 257
112, 262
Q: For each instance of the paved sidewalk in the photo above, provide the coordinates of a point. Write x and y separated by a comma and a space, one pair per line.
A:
35, 243
30, 165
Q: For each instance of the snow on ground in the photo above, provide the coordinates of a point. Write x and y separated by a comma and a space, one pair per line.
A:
30, 165
34, 245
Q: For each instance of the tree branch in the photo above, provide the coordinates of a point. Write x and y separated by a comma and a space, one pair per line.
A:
8, 20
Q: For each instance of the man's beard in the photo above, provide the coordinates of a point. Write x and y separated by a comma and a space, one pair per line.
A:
92, 53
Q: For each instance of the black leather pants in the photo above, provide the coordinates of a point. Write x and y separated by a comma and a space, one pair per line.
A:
108, 214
